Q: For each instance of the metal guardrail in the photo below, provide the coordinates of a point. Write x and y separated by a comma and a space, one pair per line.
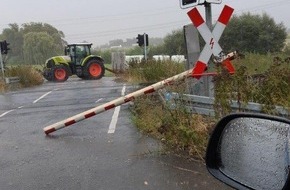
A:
10, 80
204, 105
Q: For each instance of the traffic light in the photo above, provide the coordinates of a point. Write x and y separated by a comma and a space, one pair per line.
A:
140, 40
4, 47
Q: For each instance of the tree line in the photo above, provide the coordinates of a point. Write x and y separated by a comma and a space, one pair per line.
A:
33, 43
248, 33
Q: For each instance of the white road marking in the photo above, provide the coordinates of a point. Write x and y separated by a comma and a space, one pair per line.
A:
42, 97
115, 116
114, 120
99, 100
5, 113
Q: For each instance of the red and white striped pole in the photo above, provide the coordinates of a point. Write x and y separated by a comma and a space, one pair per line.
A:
116, 102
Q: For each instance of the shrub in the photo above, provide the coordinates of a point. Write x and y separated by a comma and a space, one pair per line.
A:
27, 74
258, 79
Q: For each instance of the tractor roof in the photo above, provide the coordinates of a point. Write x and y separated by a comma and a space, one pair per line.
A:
80, 44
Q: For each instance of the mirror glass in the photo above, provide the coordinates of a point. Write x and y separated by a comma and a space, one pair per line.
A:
254, 152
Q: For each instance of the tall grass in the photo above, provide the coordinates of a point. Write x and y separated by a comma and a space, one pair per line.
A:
27, 74
258, 78
153, 71
177, 128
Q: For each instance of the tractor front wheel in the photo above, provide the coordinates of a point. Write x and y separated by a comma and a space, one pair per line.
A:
94, 69
60, 73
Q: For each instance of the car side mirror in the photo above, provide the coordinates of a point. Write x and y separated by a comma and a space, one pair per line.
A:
250, 151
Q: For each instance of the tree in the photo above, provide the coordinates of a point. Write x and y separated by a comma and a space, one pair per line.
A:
15, 36
253, 33
174, 43
38, 46
56, 35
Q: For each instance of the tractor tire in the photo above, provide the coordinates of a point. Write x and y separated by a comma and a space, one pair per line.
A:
60, 73
94, 70
47, 74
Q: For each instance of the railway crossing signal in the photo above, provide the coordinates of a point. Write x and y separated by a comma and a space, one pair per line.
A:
211, 38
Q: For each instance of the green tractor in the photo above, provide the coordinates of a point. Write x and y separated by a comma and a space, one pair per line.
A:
76, 61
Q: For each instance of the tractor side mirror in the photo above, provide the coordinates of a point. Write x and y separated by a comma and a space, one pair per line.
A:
250, 151
66, 51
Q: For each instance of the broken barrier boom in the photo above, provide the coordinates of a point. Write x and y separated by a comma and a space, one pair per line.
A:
196, 72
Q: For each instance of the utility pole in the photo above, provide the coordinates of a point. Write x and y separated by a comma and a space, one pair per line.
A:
207, 79
145, 46
143, 41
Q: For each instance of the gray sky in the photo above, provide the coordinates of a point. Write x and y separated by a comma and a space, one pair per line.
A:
100, 21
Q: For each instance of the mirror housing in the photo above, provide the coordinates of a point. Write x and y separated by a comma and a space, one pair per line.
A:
245, 146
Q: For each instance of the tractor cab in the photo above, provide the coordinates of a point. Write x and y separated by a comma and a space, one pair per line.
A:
77, 52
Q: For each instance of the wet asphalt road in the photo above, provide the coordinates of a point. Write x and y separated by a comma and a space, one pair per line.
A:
85, 155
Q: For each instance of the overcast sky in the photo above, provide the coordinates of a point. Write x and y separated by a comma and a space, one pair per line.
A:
99, 21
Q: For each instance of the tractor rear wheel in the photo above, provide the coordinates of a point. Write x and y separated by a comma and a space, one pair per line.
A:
94, 69
60, 73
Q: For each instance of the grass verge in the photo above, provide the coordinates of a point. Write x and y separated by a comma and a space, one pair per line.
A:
178, 129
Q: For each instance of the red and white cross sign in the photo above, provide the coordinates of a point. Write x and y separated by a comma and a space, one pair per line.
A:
211, 38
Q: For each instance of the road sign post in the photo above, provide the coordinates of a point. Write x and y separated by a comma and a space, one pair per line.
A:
207, 81
145, 45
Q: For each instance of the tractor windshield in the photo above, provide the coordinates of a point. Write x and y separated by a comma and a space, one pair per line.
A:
82, 51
